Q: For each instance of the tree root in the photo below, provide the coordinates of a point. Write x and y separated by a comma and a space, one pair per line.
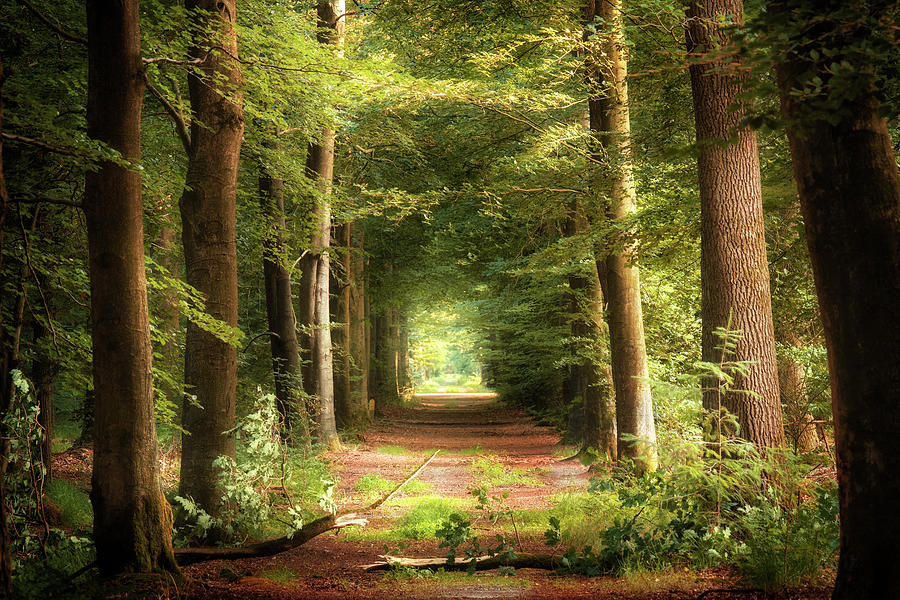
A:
482, 563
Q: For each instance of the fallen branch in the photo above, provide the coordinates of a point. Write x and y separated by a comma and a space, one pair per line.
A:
482, 563
189, 556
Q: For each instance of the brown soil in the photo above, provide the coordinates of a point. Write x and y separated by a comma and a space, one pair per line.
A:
462, 427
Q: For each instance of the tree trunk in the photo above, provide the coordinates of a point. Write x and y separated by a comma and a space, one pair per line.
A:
210, 250
733, 265
798, 423
280, 305
132, 520
167, 304
609, 121
340, 333
404, 376
44, 369
316, 265
357, 328
849, 190
589, 374
5, 558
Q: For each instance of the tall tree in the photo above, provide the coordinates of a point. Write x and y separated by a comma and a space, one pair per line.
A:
132, 519
208, 217
279, 303
316, 266
849, 188
5, 558
733, 265
611, 128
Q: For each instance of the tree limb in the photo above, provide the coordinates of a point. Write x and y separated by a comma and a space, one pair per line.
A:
56, 28
189, 556
180, 123
482, 563
39, 144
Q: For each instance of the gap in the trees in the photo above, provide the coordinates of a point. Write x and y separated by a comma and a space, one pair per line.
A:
443, 352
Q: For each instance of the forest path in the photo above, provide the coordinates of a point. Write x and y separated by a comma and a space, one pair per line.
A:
481, 442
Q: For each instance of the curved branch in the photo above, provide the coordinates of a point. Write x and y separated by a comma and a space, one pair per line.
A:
56, 28
180, 123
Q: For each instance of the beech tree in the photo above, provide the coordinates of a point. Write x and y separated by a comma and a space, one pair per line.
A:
610, 124
210, 250
847, 179
316, 265
734, 268
132, 519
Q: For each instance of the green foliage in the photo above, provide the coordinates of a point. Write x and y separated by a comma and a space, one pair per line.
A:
74, 503
426, 517
250, 503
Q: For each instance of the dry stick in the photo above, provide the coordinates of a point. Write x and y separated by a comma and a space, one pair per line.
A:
189, 556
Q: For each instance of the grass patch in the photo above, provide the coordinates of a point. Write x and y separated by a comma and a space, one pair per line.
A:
280, 575
493, 473
426, 578
372, 483
426, 517
393, 450
74, 504
474, 451
642, 581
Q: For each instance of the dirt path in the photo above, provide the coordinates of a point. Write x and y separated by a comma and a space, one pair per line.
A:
481, 442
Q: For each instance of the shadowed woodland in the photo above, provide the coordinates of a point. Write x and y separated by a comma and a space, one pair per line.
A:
463, 299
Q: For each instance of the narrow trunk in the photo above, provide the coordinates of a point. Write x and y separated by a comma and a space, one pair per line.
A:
357, 332
733, 265
340, 333
798, 423
588, 377
132, 519
609, 121
316, 266
167, 305
44, 369
5, 558
210, 251
280, 307
849, 189
404, 376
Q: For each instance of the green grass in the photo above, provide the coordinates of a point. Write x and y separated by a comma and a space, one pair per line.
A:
426, 517
393, 450
279, 575
492, 473
64, 435
74, 503
474, 451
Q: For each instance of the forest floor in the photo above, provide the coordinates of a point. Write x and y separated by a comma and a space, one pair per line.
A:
473, 433
482, 443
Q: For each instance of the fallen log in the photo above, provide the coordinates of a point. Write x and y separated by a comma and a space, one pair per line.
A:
482, 563
190, 556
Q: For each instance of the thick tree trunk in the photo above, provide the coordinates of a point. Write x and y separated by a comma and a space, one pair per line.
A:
208, 216
280, 306
734, 268
609, 121
849, 189
132, 520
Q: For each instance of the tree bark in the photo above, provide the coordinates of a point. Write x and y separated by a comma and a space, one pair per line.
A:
849, 189
733, 265
590, 378
167, 304
132, 520
358, 331
5, 383
208, 216
280, 306
610, 124
340, 333
44, 369
316, 265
